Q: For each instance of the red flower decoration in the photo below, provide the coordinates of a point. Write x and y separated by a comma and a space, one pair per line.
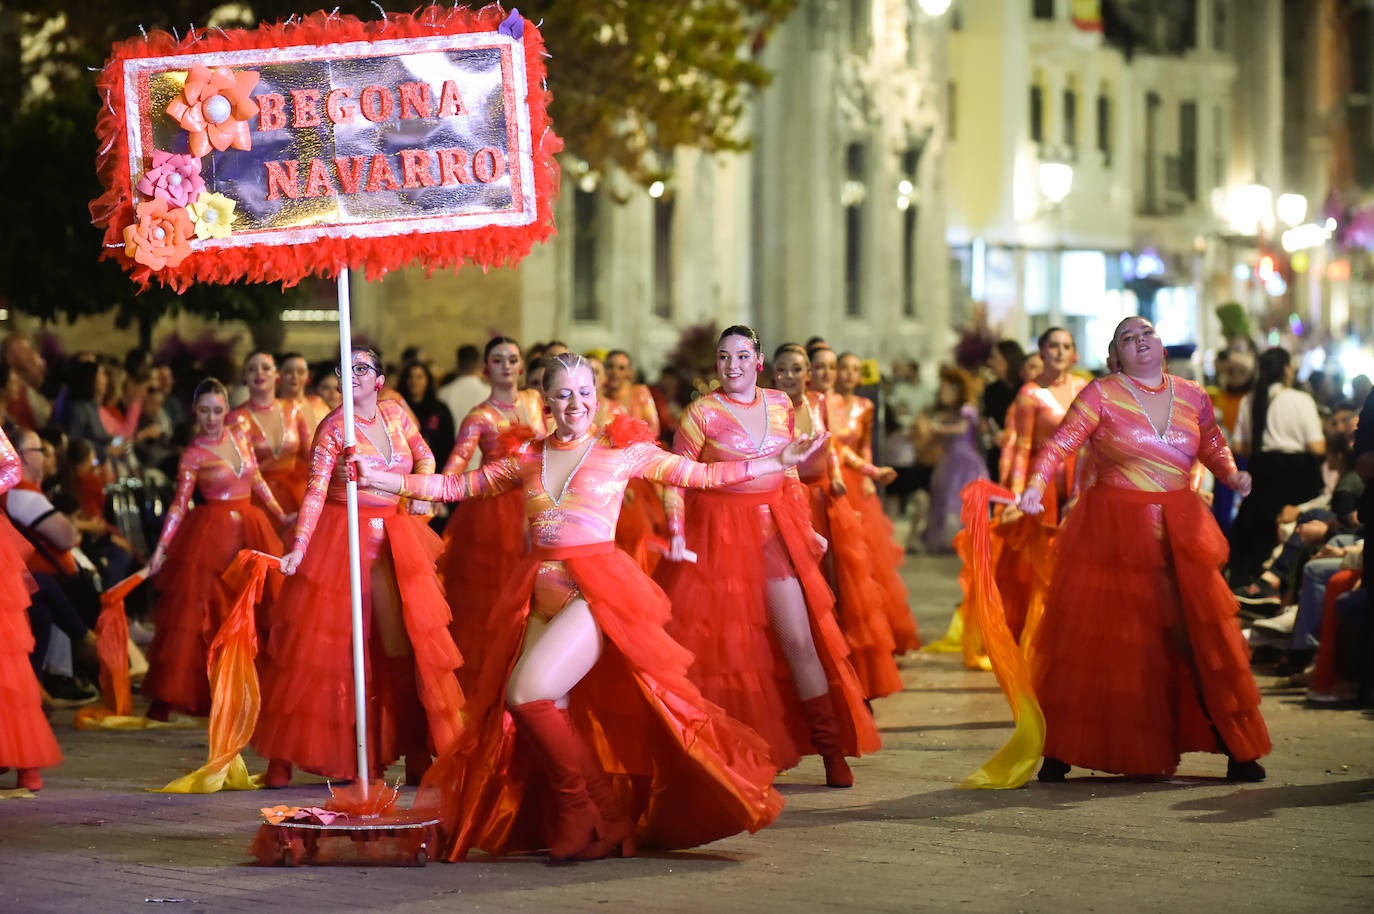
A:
214, 108
161, 237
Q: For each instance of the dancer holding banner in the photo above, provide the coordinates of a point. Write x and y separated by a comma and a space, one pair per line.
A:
579, 660
1139, 658
413, 698
197, 545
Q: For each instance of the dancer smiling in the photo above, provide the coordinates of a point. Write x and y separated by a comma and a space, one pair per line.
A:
278, 429
579, 660
755, 609
486, 537
307, 698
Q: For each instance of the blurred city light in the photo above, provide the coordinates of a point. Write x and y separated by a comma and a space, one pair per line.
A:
1056, 180
1291, 208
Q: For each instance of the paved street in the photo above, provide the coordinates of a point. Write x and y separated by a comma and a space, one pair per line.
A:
904, 839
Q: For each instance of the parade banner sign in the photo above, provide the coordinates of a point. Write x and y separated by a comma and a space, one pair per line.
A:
305, 147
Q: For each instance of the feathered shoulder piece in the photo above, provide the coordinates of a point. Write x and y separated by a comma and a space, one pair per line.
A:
624, 431
511, 440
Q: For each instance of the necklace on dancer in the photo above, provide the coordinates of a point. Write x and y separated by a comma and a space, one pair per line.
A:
367, 422
558, 444
1168, 419
754, 401
262, 409
1148, 388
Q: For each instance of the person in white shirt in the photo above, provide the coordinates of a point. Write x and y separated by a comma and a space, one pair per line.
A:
1279, 429
466, 390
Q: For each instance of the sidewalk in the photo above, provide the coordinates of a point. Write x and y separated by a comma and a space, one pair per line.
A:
903, 839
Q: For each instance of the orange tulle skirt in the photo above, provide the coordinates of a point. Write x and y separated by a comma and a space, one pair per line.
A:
26, 737
858, 598
641, 519
413, 697
288, 484
193, 601
885, 558
683, 769
483, 542
1125, 613
720, 615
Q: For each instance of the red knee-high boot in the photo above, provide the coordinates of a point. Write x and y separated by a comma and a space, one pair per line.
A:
819, 713
548, 731
616, 828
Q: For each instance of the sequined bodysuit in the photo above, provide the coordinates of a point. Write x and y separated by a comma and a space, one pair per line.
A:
1033, 418
218, 481
295, 435
484, 426
585, 512
328, 477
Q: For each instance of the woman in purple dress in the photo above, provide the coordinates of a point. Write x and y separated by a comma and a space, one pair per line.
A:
956, 419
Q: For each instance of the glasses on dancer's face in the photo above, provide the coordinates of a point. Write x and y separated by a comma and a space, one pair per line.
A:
360, 370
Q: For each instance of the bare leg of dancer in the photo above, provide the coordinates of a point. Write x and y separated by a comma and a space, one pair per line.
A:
791, 624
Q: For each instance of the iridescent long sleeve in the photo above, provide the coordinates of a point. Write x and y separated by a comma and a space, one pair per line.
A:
486, 426
470, 433
181, 498
1128, 452
11, 469
587, 509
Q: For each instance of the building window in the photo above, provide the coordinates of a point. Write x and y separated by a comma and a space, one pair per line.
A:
952, 115
1187, 150
1104, 127
1042, 9
663, 256
855, 204
586, 218
860, 13
909, 204
1070, 118
1037, 114
1219, 146
1221, 25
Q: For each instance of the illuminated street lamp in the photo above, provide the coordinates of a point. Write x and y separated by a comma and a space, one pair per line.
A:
933, 8
1056, 180
1291, 209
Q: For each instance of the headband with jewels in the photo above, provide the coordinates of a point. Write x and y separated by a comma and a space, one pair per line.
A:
323, 142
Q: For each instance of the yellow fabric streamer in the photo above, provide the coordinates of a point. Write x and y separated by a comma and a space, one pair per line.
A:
1016, 761
233, 683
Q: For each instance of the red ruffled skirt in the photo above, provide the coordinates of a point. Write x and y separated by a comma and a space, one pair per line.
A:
683, 769
641, 519
413, 696
1125, 610
720, 615
483, 542
193, 601
885, 558
858, 598
26, 737
288, 485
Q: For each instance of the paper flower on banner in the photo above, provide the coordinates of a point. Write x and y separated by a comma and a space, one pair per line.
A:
213, 215
513, 25
160, 237
174, 178
214, 108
